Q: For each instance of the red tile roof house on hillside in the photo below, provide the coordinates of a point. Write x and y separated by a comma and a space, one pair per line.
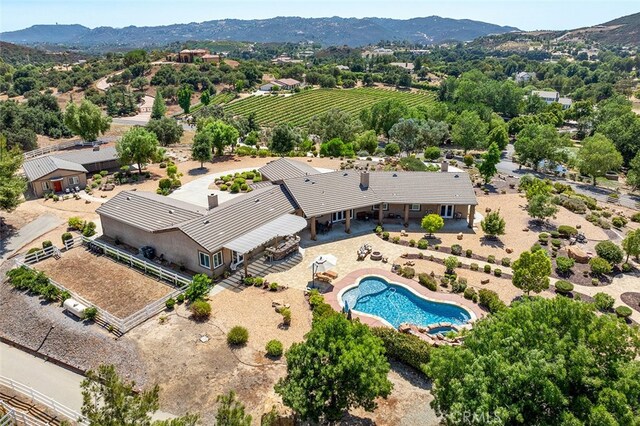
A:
297, 197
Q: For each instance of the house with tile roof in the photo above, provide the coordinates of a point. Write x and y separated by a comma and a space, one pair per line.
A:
225, 236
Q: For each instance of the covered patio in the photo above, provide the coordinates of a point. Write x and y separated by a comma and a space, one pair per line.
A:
278, 238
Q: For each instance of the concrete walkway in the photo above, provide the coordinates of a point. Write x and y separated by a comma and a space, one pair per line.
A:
26, 234
91, 198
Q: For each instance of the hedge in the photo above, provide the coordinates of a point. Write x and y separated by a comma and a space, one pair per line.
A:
405, 348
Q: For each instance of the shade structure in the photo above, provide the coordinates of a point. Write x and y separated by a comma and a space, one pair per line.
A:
287, 224
323, 263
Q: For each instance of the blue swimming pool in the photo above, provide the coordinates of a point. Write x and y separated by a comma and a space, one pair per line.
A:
396, 304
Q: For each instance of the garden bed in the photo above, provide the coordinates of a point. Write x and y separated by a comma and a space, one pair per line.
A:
632, 299
109, 285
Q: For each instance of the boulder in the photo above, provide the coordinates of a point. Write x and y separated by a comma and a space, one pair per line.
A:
578, 255
509, 250
485, 281
460, 235
404, 328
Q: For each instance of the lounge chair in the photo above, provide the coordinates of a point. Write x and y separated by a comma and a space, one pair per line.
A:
321, 276
331, 274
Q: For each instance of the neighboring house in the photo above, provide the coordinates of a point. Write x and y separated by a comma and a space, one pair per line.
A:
342, 67
267, 87
380, 51
408, 66
284, 59
551, 97
190, 55
223, 236
524, 77
286, 83
67, 170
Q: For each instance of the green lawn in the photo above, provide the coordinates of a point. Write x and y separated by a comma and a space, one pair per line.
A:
300, 107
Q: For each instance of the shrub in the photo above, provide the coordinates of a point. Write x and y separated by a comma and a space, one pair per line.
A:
497, 272
474, 266
274, 348
286, 316
451, 263
468, 252
456, 249
75, 223
89, 229
490, 300
536, 247
543, 238
180, 298
395, 240
554, 234
235, 188
385, 236
66, 236
46, 244
556, 243
315, 298
408, 272
571, 203
491, 259
564, 287
378, 230
506, 261
427, 281
599, 266
432, 153
619, 222
636, 217
564, 264
273, 287
626, 267
198, 287
170, 303
90, 313
603, 302
623, 311
459, 286
610, 252
471, 294
405, 348
200, 309
50, 293
412, 243
34, 250
223, 187
468, 160
238, 336
487, 269
567, 231
423, 244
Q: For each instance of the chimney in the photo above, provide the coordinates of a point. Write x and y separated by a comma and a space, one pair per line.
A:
213, 201
364, 180
444, 167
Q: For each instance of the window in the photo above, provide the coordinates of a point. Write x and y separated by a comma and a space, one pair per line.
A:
205, 260
73, 180
415, 207
385, 206
218, 261
46, 186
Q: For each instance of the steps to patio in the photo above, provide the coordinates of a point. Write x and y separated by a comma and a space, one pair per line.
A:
259, 268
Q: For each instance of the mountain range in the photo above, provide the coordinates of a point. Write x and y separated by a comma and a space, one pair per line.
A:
334, 31
624, 30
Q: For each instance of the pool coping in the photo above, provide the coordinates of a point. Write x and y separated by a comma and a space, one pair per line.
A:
334, 297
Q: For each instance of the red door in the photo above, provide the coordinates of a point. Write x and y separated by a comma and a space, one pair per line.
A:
57, 186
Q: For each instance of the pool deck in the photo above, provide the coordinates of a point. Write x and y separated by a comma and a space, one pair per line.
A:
331, 297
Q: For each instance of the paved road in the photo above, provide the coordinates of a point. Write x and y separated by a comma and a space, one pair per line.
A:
26, 234
506, 166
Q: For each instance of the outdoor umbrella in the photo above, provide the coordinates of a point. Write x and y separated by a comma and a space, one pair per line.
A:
322, 263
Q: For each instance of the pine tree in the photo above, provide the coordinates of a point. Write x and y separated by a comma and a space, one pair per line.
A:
159, 108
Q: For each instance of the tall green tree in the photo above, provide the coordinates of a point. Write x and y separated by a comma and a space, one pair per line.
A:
86, 120
541, 207
108, 401
531, 271
490, 160
500, 136
222, 135
184, 98
383, 115
597, 156
138, 146
537, 142
166, 129
432, 223
367, 141
159, 108
633, 175
205, 98
201, 149
334, 123
12, 186
540, 362
469, 131
631, 244
284, 138
340, 365
231, 411
493, 224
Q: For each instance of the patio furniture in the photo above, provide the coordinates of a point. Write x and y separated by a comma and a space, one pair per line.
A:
322, 276
331, 274
363, 251
458, 215
364, 216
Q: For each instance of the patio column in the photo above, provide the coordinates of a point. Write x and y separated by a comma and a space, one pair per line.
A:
313, 228
347, 223
380, 214
406, 215
472, 213
246, 261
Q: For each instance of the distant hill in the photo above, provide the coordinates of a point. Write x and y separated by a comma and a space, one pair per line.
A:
623, 31
20, 55
333, 31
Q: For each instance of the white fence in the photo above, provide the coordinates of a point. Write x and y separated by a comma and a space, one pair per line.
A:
112, 323
57, 147
39, 398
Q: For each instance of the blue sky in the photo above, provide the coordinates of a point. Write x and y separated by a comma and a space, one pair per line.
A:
524, 14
